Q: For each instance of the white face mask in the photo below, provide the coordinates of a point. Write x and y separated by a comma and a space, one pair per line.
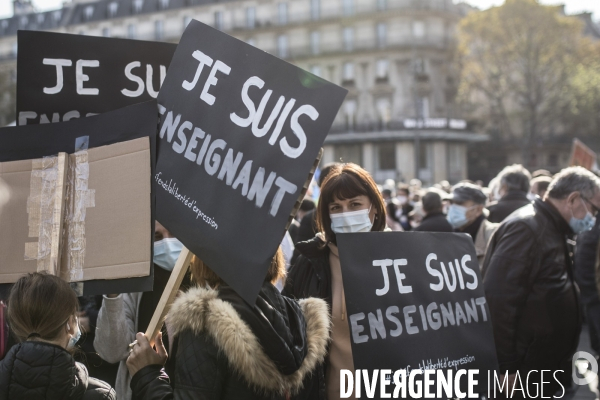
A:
166, 253
76, 335
352, 221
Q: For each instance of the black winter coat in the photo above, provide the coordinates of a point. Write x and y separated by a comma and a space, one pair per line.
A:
310, 276
508, 204
225, 349
530, 289
41, 371
435, 222
585, 276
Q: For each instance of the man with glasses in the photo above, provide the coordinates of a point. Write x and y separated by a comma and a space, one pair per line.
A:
529, 283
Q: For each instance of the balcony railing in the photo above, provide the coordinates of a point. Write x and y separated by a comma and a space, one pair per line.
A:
327, 48
329, 13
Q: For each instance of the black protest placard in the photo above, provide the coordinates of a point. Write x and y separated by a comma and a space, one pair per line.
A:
128, 123
415, 300
239, 132
61, 77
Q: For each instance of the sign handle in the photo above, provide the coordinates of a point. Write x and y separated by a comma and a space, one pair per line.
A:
58, 213
304, 190
179, 271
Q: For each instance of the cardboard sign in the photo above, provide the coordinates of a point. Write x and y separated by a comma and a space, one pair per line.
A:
63, 77
127, 162
102, 204
415, 300
582, 156
238, 134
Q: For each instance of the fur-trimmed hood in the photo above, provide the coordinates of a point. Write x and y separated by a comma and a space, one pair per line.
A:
273, 345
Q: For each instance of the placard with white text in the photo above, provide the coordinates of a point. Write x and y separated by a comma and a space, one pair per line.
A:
238, 134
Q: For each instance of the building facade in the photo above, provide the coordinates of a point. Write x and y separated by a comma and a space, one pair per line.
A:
395, 57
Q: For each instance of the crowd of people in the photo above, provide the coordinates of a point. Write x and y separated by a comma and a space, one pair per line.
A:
536, 239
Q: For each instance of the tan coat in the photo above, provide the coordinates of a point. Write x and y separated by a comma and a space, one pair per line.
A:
340, 349
484, 234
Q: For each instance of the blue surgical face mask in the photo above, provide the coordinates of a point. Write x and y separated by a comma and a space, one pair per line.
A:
457, 215
584, 224
350, 222
166, 253
76, 336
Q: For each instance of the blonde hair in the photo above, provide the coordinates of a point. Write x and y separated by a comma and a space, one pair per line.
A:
202, 275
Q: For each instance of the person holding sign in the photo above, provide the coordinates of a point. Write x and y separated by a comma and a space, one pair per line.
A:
43, 316
223, 348
349, 202
121, 315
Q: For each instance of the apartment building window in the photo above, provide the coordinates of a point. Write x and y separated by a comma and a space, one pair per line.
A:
348, 72
88, 12
131, 31
164, 4
315, 70
137, 5
315, 9
420, 66
57, 15
348, 153
159, 30
282, 11
348, 6
315, 41
384, 112
24, 21
106, 32
112, 8
381, 5
348, 39
382, 69
282, 46
250, 17
219, 20
381, 35
422, 107
40, 18
386, 154
418, 29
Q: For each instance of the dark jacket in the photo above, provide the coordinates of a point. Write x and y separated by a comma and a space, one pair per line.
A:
531, 293
585, 276
511, 202
41, 371
225, 349
435, 222
310, 276
306, 231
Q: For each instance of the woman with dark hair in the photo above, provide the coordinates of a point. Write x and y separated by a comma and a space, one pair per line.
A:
224, 348
42, 314
349, 202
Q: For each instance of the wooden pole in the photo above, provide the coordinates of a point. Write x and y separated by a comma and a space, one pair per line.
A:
179, 271
304, 190
58, 213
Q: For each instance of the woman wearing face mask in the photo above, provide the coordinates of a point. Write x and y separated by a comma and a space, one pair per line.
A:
349, 202
42, 314
122, 315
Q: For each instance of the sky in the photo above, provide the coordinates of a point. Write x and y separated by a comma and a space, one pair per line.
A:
572, 6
